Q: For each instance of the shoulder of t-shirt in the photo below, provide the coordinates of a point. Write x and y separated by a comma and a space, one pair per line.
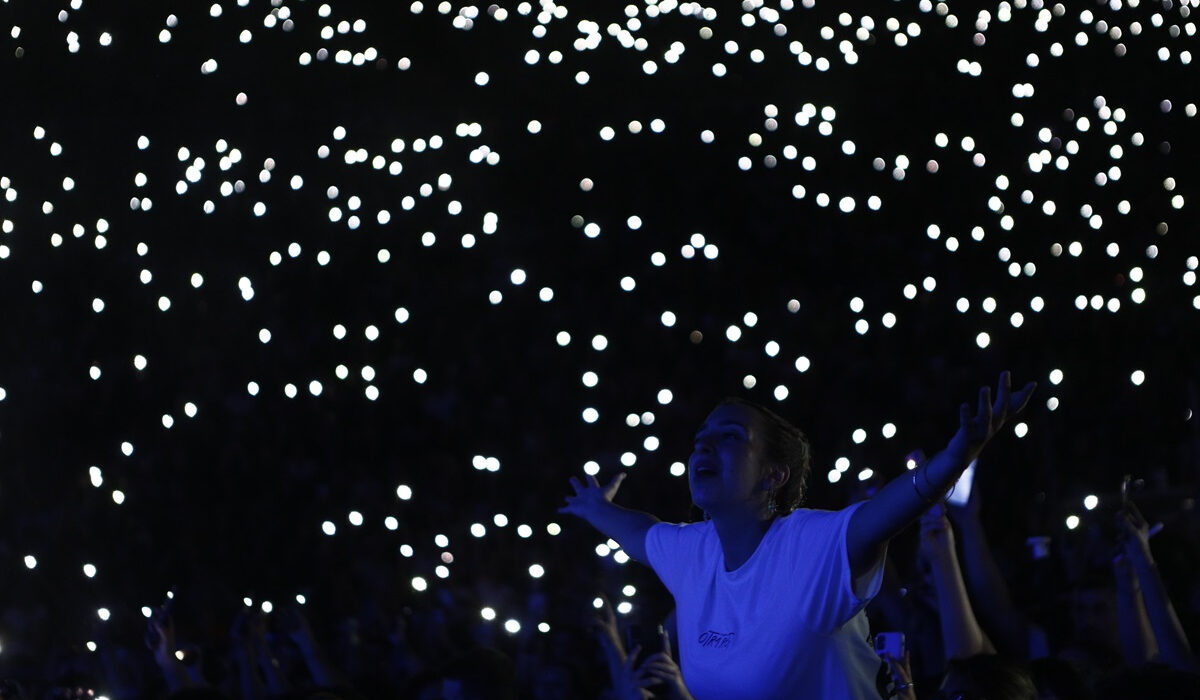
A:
815, 518
674, 538
679, 531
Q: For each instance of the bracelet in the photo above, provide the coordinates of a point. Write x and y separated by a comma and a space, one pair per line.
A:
923, 497
928, 500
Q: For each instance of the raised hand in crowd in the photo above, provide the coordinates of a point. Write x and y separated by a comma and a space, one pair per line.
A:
1173, 647
660, 669
1013, 632
594, 503
296, 626
253, 656
961, 633
1138, 646
904, 498
631, 680
160, 639
608, 634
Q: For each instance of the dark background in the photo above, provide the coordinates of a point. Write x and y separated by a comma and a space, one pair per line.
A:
230, 503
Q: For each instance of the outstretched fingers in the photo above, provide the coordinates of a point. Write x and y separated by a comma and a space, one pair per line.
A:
1003, 394
611, 489
985, 406
1020, 400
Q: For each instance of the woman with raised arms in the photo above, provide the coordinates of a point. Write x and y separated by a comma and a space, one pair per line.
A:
769, 596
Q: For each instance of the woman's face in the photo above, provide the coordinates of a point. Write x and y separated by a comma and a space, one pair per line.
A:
725, 471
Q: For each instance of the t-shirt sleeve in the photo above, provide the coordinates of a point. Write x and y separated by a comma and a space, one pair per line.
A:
669, 548
816, 549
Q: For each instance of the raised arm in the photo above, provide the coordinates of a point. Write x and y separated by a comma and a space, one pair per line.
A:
904, 498
1137, 636
985, 582
961, 634
593, 503
1173, 646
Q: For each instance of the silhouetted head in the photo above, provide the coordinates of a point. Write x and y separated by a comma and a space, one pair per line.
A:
987, 676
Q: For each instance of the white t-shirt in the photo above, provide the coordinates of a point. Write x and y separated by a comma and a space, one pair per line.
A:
788, 624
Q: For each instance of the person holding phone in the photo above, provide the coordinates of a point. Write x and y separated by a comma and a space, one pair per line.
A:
769, 595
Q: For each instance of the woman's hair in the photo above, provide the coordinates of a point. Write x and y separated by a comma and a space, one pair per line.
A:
784, 445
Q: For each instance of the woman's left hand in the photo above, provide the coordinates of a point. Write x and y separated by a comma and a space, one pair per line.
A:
991, 416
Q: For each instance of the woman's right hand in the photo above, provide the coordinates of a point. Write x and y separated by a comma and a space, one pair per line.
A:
591, 495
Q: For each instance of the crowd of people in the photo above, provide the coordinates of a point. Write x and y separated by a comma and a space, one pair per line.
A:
964, 604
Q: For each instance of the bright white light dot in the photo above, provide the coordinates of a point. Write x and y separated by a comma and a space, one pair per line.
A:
733, 333
983, 340
590, 415
1138, 377
481, 78
563, 338
118, 497
678, 469
599, 342
419, 584
859, 436
1072, 522
536, 571
391, 523
665, 396
781, 392
1021, 429
355, 518
1090, 502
